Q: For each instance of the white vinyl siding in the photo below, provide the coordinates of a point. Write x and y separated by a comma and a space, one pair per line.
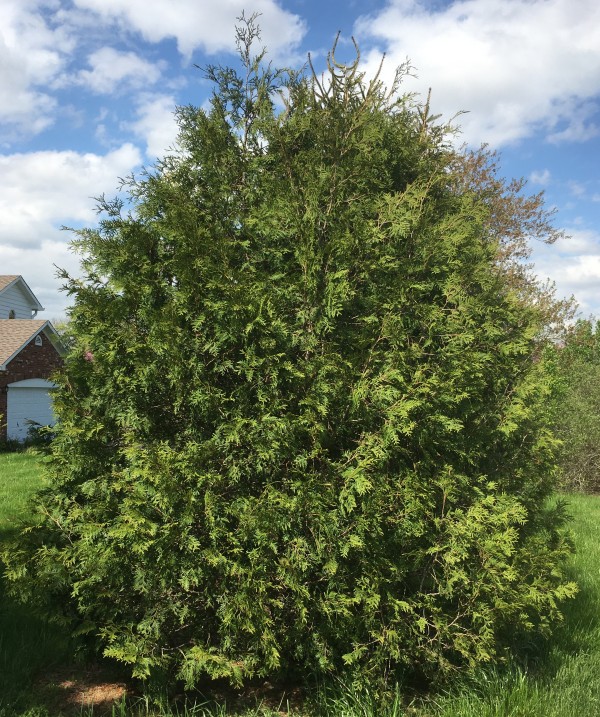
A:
29, 403
14, 298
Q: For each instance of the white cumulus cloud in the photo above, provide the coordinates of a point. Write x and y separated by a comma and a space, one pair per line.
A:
40, 192
114, 71
155, 123
514, 66
32, 56
207, 24
574, 265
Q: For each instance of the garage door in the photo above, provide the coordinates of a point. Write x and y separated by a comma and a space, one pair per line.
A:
29, 403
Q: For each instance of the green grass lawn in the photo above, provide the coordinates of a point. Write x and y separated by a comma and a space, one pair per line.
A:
560, 678
20, 477
28, 645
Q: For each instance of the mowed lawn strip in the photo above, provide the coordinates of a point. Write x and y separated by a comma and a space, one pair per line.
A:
20, 477
28, 644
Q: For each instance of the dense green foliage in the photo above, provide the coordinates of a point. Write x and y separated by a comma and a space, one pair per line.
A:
559, 678
301, 424
576, 363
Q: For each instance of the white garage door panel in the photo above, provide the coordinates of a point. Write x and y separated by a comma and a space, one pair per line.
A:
27, 405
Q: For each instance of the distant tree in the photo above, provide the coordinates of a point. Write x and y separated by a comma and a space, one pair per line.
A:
577, 405
63, 329
515, 222
301, 427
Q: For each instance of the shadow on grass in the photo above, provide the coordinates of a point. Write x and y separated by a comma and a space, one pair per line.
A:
43, 671
28, 645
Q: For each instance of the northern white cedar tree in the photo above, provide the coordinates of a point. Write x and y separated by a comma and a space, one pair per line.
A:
303, 423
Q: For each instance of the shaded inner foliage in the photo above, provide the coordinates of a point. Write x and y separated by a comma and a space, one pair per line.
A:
303, 423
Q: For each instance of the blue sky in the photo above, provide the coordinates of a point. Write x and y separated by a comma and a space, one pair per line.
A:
88, 89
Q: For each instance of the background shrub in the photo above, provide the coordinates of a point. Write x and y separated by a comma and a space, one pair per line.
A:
577, 406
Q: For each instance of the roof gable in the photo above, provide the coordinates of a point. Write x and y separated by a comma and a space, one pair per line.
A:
15, 334
10, 280
6, 280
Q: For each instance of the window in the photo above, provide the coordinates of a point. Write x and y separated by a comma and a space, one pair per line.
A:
38, 340
11, 314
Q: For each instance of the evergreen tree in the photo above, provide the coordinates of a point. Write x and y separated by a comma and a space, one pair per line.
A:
301, 427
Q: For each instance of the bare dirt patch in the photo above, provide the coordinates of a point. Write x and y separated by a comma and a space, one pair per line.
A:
74, 689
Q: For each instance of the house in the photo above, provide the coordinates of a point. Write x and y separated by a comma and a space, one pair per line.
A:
30, 352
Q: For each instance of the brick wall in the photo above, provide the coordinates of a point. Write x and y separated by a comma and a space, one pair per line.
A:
32, 362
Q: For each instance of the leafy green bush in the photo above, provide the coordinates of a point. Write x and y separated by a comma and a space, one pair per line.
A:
577, 405
301, 427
